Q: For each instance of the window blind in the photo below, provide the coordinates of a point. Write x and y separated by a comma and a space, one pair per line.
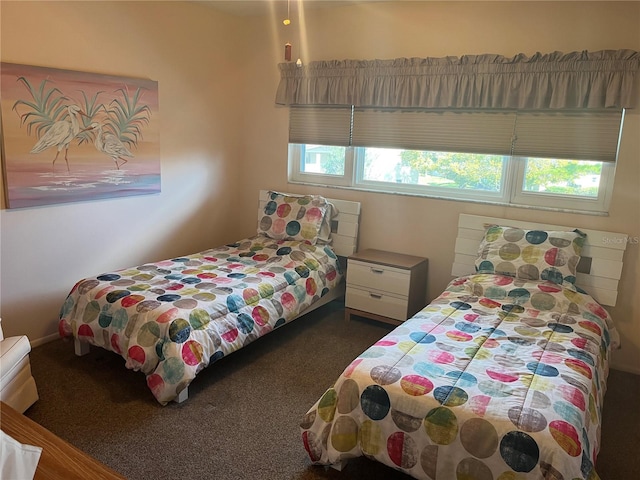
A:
568, 135
440, 131
320, 125
575, 135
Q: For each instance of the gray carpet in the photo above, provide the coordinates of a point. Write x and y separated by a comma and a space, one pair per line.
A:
241, 418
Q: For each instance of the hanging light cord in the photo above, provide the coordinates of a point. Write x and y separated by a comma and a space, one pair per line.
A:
287, 20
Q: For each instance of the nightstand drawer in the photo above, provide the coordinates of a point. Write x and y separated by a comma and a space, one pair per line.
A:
379, 277
374, 301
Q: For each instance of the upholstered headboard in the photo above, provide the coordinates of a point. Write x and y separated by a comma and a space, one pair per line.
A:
599, 269
344, 227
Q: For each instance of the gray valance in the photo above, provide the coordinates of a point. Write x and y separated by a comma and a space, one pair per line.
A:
556, 80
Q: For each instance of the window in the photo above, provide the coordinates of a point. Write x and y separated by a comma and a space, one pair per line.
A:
324, 159
554, 160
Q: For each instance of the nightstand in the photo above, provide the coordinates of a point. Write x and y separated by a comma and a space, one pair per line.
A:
385, 286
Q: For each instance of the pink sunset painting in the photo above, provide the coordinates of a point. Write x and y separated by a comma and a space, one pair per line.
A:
71, 136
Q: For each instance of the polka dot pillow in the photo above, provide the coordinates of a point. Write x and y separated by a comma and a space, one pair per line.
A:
530, 254
292, 217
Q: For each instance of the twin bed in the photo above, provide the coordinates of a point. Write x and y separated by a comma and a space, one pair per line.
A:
171, 319
500, 377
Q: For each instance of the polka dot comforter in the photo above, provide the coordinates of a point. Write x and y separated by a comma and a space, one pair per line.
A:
496, 379
173, 318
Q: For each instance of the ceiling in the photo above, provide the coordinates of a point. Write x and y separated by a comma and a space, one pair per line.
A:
265, 7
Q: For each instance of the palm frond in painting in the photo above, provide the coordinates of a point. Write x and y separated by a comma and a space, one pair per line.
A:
46, 108
91, 108
127, 116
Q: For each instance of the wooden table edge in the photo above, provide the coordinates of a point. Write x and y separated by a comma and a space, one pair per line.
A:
59, 459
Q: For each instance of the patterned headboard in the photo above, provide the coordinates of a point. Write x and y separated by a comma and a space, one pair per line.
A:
344, 228
599, 269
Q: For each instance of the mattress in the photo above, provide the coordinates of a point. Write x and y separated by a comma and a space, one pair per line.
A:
498, 378
171, 319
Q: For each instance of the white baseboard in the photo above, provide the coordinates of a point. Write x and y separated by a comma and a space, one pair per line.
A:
626, 368
43, 340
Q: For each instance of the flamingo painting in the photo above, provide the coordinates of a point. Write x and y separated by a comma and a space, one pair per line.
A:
87, 118
60, 134
110, 145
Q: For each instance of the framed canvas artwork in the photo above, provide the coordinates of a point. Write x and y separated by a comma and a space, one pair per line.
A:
71, 136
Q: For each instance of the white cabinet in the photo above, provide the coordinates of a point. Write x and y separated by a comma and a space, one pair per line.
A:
385, 286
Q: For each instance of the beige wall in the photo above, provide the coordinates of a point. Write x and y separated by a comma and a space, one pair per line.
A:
186, 48
218, 76
427, 227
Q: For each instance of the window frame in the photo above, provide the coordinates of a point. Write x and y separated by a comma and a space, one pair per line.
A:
599, 204
511, 194
513, 135
297, 175
425, 190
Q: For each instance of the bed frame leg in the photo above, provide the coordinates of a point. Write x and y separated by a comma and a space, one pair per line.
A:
340, 465
81, 348
182, 396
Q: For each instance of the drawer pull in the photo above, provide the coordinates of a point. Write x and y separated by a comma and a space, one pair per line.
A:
375, 295
377, 270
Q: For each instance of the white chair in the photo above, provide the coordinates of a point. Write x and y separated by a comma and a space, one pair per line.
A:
17, 385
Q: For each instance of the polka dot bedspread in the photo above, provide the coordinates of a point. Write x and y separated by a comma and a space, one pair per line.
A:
496, 379
173, 318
